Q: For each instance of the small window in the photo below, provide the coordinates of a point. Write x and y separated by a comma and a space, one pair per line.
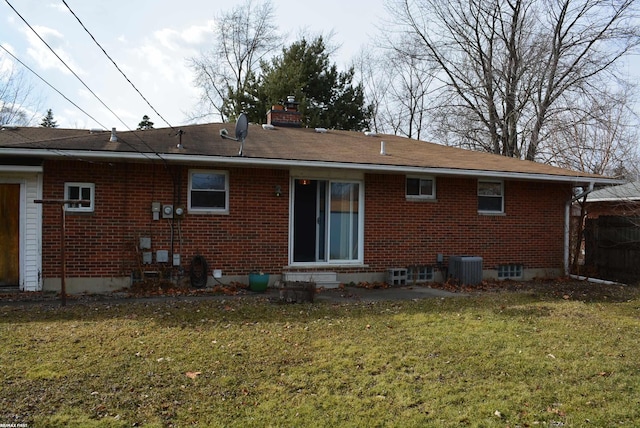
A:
490, 196
416, 274
421, 187
79, 191
510, 271
208, 191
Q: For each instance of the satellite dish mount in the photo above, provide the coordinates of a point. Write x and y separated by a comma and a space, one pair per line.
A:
242, 129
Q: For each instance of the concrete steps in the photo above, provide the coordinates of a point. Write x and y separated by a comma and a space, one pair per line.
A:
321, 278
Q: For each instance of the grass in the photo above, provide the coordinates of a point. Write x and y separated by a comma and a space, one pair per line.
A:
492, 360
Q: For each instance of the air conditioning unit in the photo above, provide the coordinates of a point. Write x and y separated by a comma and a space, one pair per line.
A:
466, 269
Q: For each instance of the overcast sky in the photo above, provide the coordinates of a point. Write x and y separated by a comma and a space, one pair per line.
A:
150, 41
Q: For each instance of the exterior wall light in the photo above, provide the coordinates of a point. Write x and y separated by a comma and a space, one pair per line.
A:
278, 191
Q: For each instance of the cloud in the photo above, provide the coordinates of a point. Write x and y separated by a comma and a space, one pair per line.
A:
43, 55
6, 62
176, 40
58, 6
164, 53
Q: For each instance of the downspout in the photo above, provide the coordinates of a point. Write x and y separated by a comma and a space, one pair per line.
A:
567, 224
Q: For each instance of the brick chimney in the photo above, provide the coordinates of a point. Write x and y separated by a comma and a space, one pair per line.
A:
285, 114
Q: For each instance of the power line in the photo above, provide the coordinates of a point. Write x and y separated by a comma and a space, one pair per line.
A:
79, 108
89, 89
65, 64
116, 65
51, 86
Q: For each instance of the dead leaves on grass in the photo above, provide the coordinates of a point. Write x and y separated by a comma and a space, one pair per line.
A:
193, 375
152, 288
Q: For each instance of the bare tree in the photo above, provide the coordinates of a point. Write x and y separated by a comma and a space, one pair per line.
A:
600, 137
243, 37
507, 68
18, 101
397, 89
408, 92
367, 73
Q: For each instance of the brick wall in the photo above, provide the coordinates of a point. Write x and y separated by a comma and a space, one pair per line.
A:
401, 232
254, 235
284, 118
102, 244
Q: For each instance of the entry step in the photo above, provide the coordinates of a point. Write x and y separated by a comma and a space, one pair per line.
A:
321, 278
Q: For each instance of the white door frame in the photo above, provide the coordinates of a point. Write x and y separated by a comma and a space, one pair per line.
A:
30, 180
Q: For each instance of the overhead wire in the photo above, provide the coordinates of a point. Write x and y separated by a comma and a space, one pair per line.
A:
116, 65
51, 86
65, 64
89, 89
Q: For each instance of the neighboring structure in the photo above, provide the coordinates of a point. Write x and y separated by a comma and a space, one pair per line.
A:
612, 233
333, 206
622, 200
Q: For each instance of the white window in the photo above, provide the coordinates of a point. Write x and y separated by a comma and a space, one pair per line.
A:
490, 196
208, 191
421, 188
80, 192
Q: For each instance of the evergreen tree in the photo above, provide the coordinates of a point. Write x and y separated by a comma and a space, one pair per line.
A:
48, 121
145, 123
327, 98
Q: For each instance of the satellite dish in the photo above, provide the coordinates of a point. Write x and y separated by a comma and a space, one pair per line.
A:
242, 129
242, 126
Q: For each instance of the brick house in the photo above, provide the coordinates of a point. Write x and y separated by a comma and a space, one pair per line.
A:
337, 205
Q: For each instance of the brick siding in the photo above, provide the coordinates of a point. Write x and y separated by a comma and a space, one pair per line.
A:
254, 235
402, 232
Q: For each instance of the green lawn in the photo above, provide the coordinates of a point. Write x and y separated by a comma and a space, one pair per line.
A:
496, 359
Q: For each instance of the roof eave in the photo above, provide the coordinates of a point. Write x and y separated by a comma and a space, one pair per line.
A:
287, 163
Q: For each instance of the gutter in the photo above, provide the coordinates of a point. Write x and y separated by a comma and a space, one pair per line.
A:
20, 168
288, 163
567, 224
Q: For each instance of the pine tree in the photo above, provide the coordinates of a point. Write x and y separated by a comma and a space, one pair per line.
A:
328, 98
145, 123
48, 121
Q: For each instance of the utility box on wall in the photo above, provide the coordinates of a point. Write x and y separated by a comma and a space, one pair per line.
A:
466, 269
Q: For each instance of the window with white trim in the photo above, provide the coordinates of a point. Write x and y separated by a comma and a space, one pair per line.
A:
327, 221
421, 188
208, 191
490, 196
80, 192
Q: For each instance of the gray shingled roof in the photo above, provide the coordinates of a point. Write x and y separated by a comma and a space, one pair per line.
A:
280, 147
624, 192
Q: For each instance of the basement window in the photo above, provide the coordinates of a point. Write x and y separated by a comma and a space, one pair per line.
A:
490, 197
208, 191
421, 188
510, 271
417, 274
79, 191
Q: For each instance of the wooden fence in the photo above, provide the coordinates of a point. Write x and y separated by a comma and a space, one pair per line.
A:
612, 248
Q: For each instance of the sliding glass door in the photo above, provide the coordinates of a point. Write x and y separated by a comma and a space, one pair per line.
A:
327, 221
